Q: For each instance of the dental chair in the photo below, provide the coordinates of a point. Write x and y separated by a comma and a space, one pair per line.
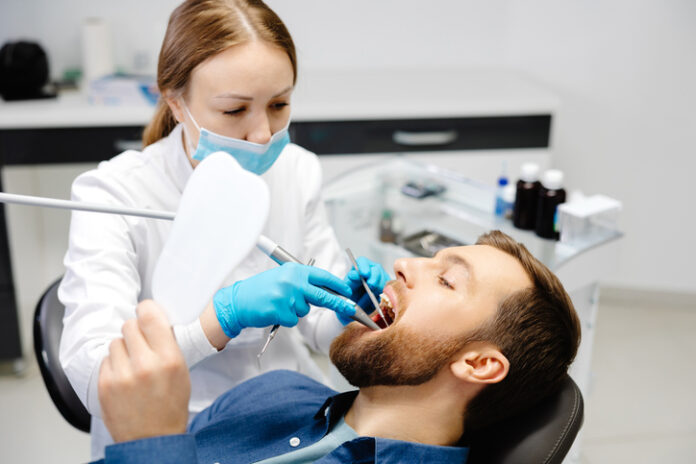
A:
48, 328
542, 434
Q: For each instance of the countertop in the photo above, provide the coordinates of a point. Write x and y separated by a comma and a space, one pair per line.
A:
339, 95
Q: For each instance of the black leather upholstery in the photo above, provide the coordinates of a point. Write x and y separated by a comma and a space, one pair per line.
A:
48, 327
542, 434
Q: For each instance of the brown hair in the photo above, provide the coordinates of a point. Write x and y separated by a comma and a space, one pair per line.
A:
538, 331
199, 29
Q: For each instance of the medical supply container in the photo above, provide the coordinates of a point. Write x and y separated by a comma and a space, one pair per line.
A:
588, 219
551, 195
526, 197
499, 199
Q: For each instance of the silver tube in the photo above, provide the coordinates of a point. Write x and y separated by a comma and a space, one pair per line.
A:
82, 206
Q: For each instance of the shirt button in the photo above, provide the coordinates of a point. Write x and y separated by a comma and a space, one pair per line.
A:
294, 442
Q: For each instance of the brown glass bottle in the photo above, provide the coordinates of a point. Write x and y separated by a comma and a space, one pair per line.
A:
551, 194
526, 197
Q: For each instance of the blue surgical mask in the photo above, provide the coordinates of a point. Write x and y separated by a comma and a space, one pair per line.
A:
254, 157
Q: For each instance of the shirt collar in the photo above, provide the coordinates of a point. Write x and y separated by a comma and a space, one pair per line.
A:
336, 407
387, 450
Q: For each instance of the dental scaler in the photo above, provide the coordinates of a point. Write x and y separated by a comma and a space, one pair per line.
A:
281, 256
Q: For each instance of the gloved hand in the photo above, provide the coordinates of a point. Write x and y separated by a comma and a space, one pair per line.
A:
375, 276
278, 296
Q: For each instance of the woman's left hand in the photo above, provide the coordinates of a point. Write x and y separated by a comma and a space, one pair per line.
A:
375, 276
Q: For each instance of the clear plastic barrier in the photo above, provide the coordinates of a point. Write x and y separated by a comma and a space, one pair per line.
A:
425, 207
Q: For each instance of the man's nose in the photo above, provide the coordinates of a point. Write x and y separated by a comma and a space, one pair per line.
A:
260, 131
404, 269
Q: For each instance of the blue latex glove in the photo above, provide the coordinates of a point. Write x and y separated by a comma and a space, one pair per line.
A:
278, 296
375, 276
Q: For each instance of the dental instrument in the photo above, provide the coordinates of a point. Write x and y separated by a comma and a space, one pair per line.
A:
274, 330
367, 287
281, 256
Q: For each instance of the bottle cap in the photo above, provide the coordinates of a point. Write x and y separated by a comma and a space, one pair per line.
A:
552, 179
529, 172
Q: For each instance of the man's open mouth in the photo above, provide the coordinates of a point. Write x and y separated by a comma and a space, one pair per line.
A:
387, 308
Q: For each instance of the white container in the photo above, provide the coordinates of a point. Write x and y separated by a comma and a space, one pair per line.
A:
588, 219
97, 50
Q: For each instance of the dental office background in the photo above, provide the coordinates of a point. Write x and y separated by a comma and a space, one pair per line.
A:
623, 73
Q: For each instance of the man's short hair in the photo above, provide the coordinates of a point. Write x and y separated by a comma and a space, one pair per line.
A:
536, 329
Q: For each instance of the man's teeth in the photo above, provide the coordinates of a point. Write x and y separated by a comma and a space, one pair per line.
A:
384, 301
387, 307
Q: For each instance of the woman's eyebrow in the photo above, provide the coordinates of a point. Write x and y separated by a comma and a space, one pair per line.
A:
248, 98
283, 92
234, 95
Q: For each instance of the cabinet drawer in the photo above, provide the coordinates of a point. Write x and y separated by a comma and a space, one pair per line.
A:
411, 135
86, 144
69, 145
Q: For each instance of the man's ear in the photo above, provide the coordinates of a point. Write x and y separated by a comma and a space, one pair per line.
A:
174, 104
481, 363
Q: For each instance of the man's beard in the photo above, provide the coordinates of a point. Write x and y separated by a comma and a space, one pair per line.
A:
397, 356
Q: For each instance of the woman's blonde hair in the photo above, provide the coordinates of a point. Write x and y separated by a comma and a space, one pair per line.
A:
199, 29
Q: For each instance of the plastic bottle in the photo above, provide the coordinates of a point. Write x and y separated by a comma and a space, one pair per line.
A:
527, 196
509, 193
551, 195
499, 200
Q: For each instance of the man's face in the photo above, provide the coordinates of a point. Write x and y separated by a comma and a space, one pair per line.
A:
437, 304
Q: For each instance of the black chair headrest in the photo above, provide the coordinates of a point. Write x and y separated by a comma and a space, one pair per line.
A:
541, 434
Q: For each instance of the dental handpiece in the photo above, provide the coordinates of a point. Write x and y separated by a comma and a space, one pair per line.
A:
281, 256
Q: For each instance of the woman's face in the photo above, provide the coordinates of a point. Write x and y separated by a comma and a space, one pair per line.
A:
242, 92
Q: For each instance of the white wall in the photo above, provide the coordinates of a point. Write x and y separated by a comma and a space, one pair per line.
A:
137, 26
624, 71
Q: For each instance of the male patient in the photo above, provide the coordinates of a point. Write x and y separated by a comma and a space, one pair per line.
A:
479, 332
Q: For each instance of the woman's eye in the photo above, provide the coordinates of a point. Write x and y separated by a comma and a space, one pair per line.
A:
279, 106
445, 282
233, 112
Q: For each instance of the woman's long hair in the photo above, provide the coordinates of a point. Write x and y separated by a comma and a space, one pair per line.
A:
199, 29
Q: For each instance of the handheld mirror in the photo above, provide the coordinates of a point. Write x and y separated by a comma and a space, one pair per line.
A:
222, 212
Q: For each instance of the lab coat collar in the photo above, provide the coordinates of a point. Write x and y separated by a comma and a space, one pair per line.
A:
177, 159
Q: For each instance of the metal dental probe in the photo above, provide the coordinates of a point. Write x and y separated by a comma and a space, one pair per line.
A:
367, 287
274, 329
281, 256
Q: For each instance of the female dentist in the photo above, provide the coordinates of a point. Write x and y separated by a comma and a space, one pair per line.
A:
226, 71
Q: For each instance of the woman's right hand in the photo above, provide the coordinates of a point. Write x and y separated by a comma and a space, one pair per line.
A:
278, 296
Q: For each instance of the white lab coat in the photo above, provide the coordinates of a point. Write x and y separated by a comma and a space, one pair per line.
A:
111, 259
